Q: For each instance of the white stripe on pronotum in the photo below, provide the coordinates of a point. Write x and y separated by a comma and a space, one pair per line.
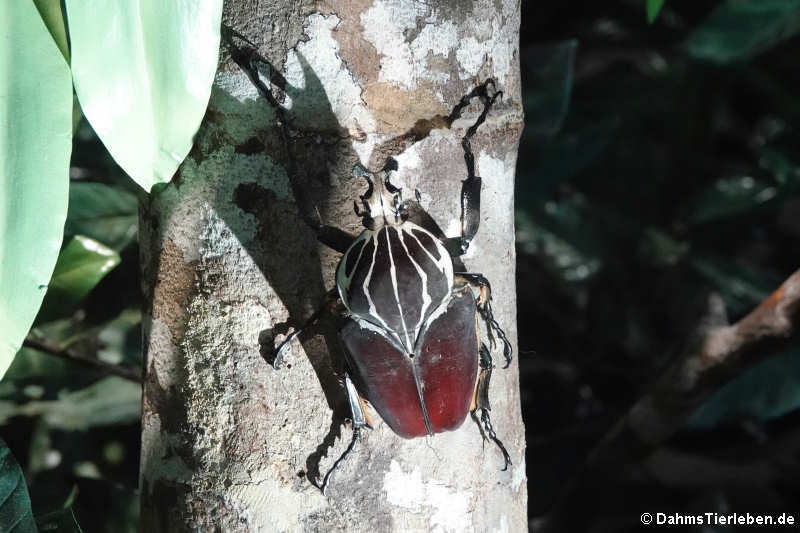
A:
373, 311
393, 273
426, 298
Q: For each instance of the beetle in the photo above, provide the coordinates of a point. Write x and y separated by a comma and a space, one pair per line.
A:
411, 334
412, 340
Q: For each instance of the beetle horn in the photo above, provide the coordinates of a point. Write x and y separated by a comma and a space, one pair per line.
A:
391, 165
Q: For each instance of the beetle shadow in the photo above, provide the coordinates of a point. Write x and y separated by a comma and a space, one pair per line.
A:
285, 249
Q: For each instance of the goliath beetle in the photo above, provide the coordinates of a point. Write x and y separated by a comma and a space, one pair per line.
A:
411, 334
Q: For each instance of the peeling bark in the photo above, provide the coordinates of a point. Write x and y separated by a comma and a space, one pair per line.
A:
229, 443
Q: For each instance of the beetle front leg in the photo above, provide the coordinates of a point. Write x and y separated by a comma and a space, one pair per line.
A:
485, 309
327, 308
359, 419
481, 402
471, 187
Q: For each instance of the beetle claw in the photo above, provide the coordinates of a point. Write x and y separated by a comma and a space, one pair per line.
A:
327, 478
495, 329
487, 425
278, 359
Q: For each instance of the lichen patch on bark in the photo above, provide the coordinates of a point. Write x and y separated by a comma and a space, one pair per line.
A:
358, 54
324, 94
408, 490
174, 285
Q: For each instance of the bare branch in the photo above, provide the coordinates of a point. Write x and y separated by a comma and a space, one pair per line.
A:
131, 374
718, 354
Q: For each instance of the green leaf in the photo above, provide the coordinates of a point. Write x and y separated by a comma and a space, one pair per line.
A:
53, 18
731, 196
15, 504
740, 29
35, 146
101, 212
653, 9
81, 265
143, 71
107, 402
31, 366
660, 249
768, 390
742, 286
782, 168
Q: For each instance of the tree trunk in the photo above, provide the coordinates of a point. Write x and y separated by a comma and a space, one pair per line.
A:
228, 442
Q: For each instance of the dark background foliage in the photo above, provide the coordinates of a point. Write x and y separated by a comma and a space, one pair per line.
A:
672, 174
658, 166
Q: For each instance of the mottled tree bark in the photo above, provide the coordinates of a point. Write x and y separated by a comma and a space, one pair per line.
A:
229, 443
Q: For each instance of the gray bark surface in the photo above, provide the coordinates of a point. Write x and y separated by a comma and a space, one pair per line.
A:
231, 444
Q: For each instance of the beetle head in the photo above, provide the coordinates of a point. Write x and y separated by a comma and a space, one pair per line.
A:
382, 204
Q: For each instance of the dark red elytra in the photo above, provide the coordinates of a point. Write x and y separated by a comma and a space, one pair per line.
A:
430, 390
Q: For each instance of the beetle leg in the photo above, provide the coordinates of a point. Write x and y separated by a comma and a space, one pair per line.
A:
360, 420
481, 403
485, 309
331, 299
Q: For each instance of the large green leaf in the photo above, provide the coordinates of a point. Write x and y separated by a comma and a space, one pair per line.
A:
739, 29
143, 71
53, 18
35, 145
15, 504
81, 265
104, 213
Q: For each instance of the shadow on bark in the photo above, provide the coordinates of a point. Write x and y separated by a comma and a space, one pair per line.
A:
286, 249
